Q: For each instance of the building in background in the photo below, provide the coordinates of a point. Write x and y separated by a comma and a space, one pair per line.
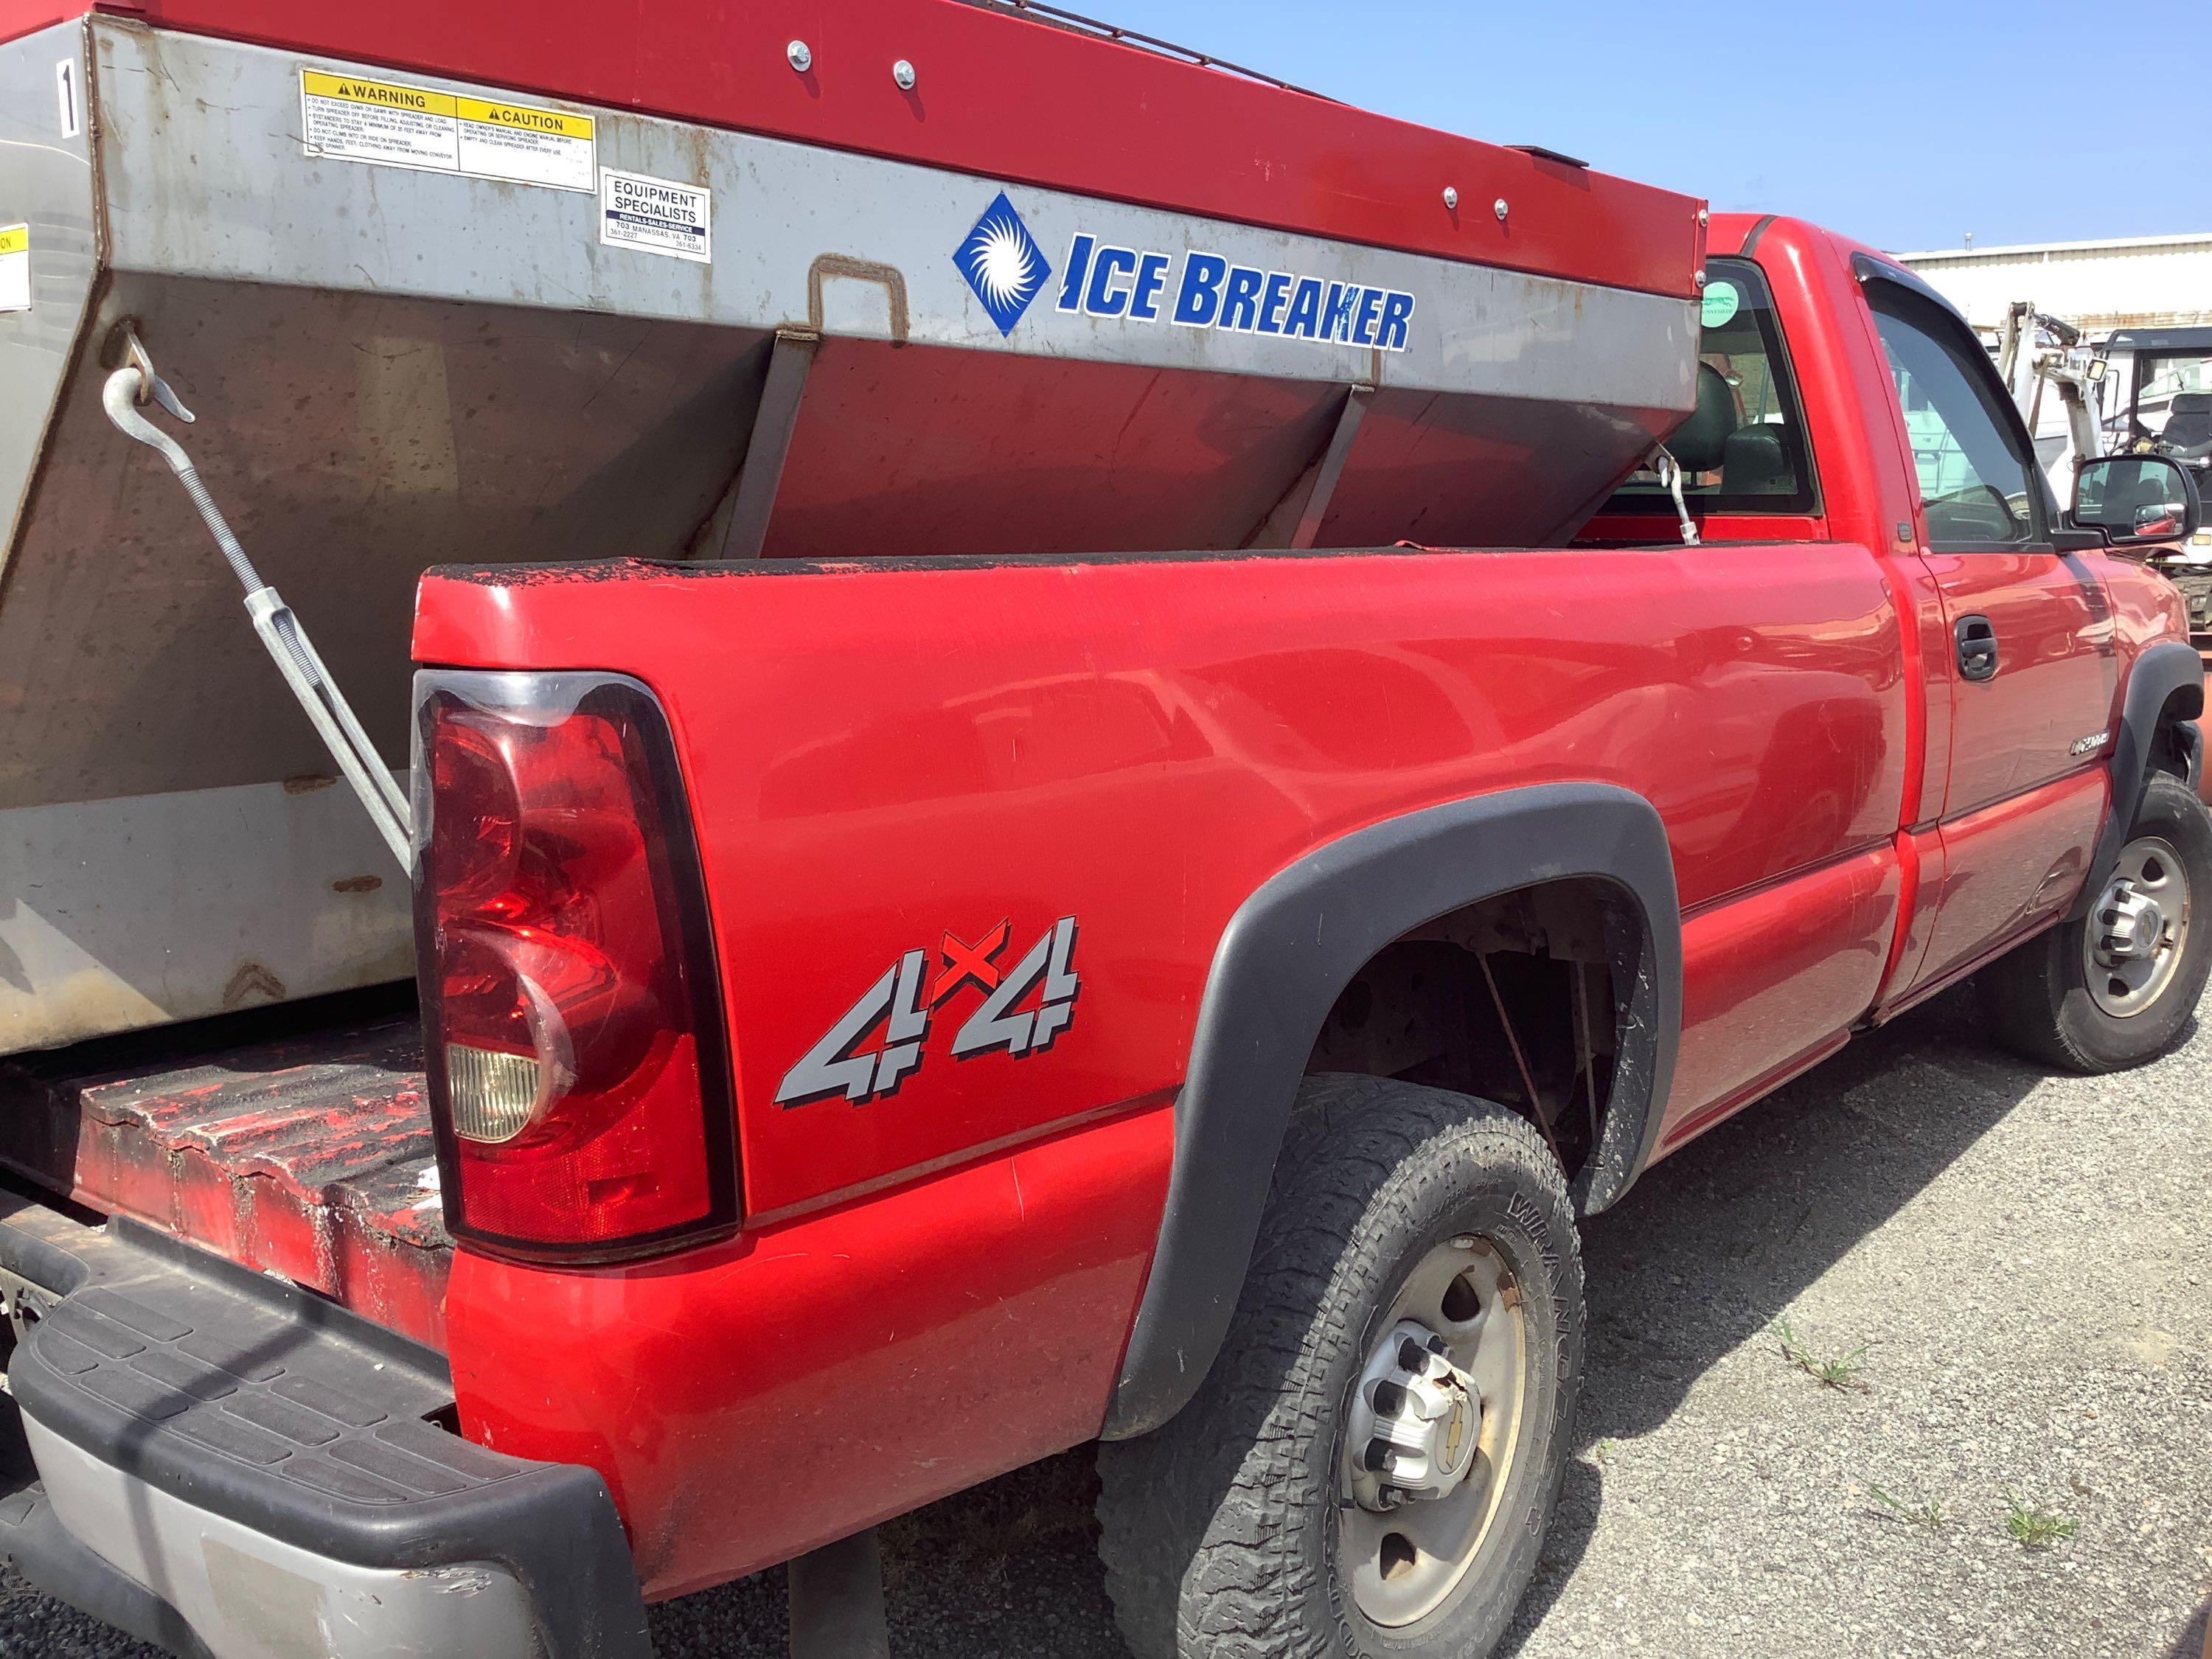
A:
2137, 281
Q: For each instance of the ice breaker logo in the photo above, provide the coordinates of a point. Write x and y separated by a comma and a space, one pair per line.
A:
1003, 264
843, 1064
1105, 281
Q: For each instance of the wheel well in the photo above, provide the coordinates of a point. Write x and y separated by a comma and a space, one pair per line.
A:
1518, 999
2174, 747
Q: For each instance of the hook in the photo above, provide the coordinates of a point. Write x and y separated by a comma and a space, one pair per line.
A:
137, 383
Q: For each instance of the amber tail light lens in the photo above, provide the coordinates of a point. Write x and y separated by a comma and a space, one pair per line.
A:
572, 1021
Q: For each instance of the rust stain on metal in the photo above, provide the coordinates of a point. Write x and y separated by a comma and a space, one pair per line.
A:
250, 981
357, 884
304, 1157
307, 783
890, 278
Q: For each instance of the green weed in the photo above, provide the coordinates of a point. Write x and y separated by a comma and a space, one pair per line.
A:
1841, 1373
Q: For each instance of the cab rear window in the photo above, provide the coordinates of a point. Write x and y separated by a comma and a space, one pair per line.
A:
1744, 450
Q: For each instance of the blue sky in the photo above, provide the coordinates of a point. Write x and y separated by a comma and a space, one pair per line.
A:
1905, 125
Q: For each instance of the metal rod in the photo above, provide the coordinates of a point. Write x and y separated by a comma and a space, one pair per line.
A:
1585, 1054
332, 717
279, 630
1670, 477
1115, 32
1527, 1077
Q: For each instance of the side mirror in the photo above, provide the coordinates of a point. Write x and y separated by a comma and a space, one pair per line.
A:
2136, 498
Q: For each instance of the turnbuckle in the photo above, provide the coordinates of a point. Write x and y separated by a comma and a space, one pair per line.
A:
131, 387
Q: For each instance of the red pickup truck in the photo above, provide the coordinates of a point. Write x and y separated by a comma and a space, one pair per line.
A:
903, 992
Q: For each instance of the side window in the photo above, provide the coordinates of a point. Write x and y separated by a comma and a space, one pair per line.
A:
1977, 487
1744, 450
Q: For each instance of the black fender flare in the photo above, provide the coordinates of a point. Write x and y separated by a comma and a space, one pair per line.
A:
2163, 669
1283, 959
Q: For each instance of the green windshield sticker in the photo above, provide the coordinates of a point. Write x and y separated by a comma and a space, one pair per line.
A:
1721, 303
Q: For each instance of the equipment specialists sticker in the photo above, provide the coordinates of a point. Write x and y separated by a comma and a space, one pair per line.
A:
656, 215
354, 119
15, 267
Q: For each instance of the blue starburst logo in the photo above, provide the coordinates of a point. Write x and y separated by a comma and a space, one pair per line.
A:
1003, 264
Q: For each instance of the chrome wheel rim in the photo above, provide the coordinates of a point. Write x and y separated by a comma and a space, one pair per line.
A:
1430, 1432
2137, 929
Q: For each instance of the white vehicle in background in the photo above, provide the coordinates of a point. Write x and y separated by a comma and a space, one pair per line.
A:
2058, 381
2158, 395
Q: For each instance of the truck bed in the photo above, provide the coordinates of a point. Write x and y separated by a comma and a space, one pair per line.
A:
295, 1141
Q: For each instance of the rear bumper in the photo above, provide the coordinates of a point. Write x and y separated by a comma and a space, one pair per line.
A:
227, 1466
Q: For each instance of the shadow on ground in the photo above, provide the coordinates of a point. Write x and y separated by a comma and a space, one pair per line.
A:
1711, 1246
2196, 1642
1701, 1257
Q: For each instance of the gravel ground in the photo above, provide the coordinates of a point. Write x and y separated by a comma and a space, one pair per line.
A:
2013, 1267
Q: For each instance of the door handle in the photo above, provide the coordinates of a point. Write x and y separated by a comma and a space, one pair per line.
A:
1976, 639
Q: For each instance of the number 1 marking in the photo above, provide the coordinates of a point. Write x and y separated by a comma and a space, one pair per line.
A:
65, 90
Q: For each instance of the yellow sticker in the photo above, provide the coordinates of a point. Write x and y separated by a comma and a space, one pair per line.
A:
355, 118
15, 268
521, 117
353, 89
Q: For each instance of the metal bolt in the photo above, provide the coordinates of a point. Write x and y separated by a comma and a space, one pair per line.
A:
1451, 198
1470, 1241
1703, 217
1698, 278
902, 72
1497, 207
800, 55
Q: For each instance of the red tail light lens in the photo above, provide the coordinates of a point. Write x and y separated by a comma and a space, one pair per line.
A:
579, 1078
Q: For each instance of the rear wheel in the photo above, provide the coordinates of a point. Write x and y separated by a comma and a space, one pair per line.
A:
2115, 988
1368, 1466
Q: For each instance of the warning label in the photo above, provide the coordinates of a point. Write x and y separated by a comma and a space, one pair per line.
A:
15, 267
656, 215
354, 119
529, 146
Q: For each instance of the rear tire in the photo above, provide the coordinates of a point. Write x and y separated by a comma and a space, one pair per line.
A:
1240, 1527
2065, 1000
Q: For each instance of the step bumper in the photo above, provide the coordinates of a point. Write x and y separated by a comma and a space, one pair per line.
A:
263, 1469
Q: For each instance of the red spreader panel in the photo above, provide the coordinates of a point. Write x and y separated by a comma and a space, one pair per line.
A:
1010, 97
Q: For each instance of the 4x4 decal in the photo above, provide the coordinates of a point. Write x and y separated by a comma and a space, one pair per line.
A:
851, 1060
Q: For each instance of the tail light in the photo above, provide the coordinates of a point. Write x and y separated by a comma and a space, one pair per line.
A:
579, 1083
